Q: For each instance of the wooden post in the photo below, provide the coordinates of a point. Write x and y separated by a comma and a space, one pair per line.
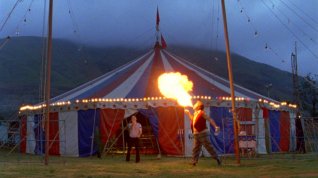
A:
229, 67
48, 83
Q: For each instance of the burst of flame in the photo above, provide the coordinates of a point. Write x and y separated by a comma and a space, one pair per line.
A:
176, 86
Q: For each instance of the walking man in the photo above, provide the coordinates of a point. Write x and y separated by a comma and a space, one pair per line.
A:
201, 133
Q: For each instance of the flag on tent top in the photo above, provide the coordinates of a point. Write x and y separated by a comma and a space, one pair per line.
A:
158, 18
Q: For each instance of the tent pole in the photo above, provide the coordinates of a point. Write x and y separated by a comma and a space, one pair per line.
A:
256, 111
180, 131
48, 82
229, 66
93, 139
122, 127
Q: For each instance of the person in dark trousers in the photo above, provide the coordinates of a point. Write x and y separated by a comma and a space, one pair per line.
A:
201, 133
135, 131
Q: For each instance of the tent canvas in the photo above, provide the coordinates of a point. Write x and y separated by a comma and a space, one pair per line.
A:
74, 136
105, 101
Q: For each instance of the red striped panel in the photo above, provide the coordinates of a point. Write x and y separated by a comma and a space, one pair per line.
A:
265, 113
54, 138
110, 122
284, 131
245, 114
23, 133
171, 127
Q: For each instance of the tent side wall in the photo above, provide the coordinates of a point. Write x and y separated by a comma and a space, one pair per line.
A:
72, 132
260, 131
292, 116
68, 129
281, 126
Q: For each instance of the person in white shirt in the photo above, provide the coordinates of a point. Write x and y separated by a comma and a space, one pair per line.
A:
135, 131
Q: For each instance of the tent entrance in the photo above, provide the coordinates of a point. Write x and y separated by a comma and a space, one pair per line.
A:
118, 143
148, 142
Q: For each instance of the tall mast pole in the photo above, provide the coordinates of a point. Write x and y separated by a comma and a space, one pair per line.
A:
157, 24
229, 67
48, 83
295, 76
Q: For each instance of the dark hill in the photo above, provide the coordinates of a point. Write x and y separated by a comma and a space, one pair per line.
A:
72, 65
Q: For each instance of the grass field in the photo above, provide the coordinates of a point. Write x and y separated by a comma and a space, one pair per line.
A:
17, 165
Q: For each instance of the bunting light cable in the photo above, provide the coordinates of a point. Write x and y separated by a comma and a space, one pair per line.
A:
213, 18
5, 20
217, 26
257, 33
72, 16
304, 12
248, 17
299, 16
267, 45
76, 32
297, 26
24, 17
122, 102
6, 40
280, 20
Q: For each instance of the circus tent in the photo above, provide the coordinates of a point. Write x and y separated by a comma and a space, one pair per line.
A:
106, 102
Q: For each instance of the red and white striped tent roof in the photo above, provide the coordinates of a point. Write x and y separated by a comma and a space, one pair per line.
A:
138, 79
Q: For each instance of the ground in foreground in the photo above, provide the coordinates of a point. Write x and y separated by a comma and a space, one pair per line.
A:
17, 165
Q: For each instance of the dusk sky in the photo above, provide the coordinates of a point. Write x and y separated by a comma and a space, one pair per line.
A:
262, 30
